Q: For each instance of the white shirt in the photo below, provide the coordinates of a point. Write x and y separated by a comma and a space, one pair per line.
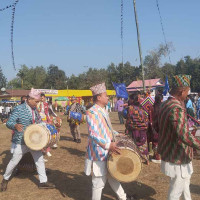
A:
1, 109
8, 109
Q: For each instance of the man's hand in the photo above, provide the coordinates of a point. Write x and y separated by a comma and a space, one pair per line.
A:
113, 148
19, 127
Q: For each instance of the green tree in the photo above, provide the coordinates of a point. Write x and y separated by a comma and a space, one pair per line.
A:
14, 83
39, 76
191, 67
152, 61
56, 78
123, 73
25, 77
73, 82
3, 79
169, 71
95, 76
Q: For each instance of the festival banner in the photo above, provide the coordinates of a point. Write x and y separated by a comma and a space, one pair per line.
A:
120, 89
147, 104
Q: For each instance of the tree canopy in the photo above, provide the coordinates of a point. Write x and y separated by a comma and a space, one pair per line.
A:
3, 80
55, 78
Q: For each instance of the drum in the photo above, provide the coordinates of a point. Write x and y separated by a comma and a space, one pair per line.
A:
126, 166
27, 163
195, 131
125, 113
56, 121
77, 116
38, 136
198, 132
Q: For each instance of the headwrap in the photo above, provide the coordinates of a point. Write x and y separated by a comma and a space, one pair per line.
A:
98, 89
181, 81
34, 94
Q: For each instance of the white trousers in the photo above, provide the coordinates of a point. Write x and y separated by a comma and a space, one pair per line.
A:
18, 151
179, 179
98, 184
179, 186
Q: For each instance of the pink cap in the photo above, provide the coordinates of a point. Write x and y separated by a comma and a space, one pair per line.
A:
34, 93
98, 89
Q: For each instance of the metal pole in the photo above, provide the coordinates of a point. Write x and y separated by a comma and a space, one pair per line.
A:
139, 46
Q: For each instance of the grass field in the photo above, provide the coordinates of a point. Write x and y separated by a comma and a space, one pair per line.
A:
66, 172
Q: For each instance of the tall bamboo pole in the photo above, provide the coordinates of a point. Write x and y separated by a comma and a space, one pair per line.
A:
139, 45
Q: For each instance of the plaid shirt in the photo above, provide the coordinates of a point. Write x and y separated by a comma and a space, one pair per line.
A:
22, 115
176, 143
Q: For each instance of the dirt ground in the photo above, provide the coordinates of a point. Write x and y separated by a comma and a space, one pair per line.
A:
66, 172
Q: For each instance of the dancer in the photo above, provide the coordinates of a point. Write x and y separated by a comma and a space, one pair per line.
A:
136, 126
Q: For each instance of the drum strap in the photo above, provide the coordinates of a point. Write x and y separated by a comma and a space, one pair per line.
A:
33, 116
109, 123
32, 113
113, 135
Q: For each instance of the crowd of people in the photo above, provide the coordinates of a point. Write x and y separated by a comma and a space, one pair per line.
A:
165, 126
193, 105
5, 110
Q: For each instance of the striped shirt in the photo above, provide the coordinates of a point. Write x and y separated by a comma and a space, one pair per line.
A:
176, 143
25, 115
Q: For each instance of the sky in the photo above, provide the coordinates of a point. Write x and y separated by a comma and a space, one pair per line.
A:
75, 34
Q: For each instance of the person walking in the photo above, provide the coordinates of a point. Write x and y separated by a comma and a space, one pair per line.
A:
100, 144
119, 106
198, 107
176, 143
74, 125
136, 126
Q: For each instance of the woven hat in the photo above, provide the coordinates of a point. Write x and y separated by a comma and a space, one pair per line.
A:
181, 80
126, 166
98, 89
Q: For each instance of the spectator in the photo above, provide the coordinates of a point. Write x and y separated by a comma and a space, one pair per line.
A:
198, 107
1, 112
119, 106
108, 106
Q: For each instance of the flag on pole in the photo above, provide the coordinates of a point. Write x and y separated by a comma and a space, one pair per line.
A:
166, 88
121, 91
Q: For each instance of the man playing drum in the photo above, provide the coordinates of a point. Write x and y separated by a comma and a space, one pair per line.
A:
74, 125
176, 143
23, 116
100, 144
